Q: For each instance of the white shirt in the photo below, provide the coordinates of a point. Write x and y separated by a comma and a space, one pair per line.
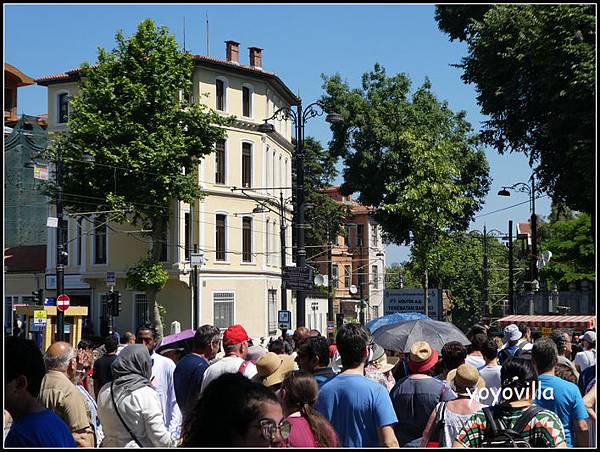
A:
476, 361
162, 379
141, 411
585, 359
491, 375
228, 365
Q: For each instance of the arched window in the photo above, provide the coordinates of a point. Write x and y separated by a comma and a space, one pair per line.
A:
221, 85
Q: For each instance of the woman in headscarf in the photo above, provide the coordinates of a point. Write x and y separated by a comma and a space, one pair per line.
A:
128, 407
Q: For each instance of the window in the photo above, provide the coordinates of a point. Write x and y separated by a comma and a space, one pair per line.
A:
347, 235
246, 102
374, 277
246, 165
142, 312
100, 240
79, 233
220, 162
63, 108
360, 230
347, 276
223, 303
220, 238
374, 235
267, 243
272, 311
335, 276
247, 239
375, 312
220, 95
186, 245
163, 246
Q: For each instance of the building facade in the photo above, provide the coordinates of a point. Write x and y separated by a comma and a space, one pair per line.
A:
358, 263
240, 280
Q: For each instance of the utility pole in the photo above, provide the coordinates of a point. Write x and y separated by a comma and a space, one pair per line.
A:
330, 316
196, 293
485, 274
511, 291
534, 274
60, 269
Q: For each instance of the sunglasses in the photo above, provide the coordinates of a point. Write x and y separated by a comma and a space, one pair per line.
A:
268, 427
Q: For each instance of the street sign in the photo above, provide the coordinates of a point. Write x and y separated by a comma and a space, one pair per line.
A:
52, 222
285, 320
298, 278
40, 318
111, 278
63, 302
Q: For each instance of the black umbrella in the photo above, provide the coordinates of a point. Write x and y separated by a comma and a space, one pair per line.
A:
401, 336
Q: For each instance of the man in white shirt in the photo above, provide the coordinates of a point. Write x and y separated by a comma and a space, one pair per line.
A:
162, 379
587, 357
491, 373
235, 346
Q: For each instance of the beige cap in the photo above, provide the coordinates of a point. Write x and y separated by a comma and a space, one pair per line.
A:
272, 368
465, 376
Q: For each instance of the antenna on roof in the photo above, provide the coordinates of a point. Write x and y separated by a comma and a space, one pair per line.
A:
183, 34
207, 42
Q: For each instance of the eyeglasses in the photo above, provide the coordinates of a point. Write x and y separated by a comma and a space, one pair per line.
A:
268, 428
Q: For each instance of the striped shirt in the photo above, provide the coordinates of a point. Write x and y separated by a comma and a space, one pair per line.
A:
544, 430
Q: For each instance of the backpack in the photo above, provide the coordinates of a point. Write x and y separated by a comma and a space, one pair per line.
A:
497, 435
521, 352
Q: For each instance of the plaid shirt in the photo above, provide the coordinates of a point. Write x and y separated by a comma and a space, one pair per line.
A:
544, 430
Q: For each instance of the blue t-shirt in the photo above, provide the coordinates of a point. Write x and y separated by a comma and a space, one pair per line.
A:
41, 429
187, 380
356, 407
564, 400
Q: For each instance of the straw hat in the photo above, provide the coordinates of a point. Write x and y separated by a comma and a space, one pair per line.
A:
272, 368
380, 360
465, 377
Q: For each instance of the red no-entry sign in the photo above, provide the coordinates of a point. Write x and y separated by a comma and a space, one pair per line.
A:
63, 302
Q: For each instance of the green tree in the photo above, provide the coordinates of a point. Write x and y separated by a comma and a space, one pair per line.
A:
397, 275
573, 258
325, 216
534, 69
132, 117
411, 158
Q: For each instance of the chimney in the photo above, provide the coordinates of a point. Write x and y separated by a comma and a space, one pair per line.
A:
232, 52
255, 57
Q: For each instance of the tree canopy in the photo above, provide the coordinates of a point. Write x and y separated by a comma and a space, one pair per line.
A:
132, 115
534, 69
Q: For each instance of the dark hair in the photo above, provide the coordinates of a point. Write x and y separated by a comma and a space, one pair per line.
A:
317, 347
523, 328
476, 329
146, 327
111, 344
223, 413
301, 391
22, 357
204, 335
453, 354
478, 340
489, 349
351, 340
517, 373
559, 339
544, 354
84, 344
277, 347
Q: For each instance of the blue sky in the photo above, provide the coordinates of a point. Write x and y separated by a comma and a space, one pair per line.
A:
299, 42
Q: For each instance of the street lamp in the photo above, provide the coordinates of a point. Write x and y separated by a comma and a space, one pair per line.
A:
299, 118
525, 188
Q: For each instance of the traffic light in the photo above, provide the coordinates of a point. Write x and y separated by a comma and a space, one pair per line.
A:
116, 303
38, 296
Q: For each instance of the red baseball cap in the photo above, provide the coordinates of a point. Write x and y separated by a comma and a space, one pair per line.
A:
235, 334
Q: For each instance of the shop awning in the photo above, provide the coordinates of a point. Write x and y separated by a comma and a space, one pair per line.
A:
578, 322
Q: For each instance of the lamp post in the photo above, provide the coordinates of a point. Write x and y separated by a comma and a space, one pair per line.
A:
530, 190
299, 118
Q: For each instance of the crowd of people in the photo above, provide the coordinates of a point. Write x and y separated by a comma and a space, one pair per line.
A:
303, 390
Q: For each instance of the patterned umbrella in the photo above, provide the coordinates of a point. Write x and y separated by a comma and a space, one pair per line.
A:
392, 319
401, 336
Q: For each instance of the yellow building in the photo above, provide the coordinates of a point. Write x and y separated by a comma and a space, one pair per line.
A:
240, 281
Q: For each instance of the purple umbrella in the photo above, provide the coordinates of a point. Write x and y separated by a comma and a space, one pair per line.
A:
168, 341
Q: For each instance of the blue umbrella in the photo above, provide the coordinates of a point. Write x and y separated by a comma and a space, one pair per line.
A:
391, 319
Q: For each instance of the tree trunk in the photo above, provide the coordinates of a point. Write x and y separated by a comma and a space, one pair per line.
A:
158, 227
